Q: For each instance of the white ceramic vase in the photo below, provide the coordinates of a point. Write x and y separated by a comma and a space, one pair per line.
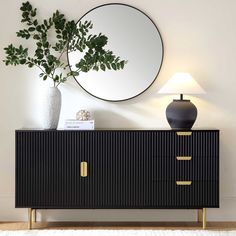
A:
52, 108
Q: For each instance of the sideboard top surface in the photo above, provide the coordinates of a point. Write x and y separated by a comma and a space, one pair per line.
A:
119, 130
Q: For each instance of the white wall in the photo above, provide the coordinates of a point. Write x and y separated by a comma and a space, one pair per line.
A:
199, 37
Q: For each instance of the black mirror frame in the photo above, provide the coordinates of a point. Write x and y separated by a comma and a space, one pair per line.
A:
162, 58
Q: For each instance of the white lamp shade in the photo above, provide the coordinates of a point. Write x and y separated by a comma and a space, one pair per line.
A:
181, 83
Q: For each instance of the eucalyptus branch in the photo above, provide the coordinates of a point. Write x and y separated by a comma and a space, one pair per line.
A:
40, 68
63, 51
69, 37
57, 84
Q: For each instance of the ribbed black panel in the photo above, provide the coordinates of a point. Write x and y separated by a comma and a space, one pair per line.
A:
126, 169
197, 195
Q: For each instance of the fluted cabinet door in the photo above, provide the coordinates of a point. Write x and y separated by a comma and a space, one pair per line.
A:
127, 169
48, 169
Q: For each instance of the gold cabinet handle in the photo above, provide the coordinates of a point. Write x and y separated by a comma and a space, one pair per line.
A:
184, 133
187, 158
183, 182
83, 169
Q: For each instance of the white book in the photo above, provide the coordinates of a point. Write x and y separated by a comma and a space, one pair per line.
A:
79, 125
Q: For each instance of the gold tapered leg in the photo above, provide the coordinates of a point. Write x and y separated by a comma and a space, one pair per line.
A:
35, 215
199, 215
30, 218
204, 218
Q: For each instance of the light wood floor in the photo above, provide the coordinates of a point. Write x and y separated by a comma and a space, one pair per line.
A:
119, 225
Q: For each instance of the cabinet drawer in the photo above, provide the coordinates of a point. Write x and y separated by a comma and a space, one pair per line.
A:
199, 143
198, 168
198, 194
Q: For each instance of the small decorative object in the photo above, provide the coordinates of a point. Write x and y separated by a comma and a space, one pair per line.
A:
83, 115
181, 114
49, 53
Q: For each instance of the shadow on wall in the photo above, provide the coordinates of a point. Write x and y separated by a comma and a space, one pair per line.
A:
106, 118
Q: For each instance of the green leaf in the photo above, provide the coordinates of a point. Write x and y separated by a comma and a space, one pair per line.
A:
25, 14
45, 23
31, 29
108, 65
39, 44
74, 73
96, 68
33, 13
29, 6
40, 56
45, 77
122, 64
39, 51
36, 36
102, 66
117, 59
102, 58
27, 36
23, 7
113, 65
46, 44
56, 78
84, 68
22, 61
43, 27
48, 70
39, 28
30, 65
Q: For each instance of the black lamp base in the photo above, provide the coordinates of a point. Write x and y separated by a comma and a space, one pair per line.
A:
181, 114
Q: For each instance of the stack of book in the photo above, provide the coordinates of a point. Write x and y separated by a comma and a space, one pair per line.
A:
71, 124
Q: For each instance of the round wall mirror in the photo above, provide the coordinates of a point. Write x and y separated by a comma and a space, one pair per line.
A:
134, 37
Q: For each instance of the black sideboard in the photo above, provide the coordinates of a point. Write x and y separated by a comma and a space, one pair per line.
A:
117, 169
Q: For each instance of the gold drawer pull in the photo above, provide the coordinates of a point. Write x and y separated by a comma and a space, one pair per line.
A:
83, 169
184, 133
184, 158
183, 182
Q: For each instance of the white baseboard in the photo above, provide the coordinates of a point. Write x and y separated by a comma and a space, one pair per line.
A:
226, 212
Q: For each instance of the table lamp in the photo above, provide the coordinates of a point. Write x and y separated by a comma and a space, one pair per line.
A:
181, 114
